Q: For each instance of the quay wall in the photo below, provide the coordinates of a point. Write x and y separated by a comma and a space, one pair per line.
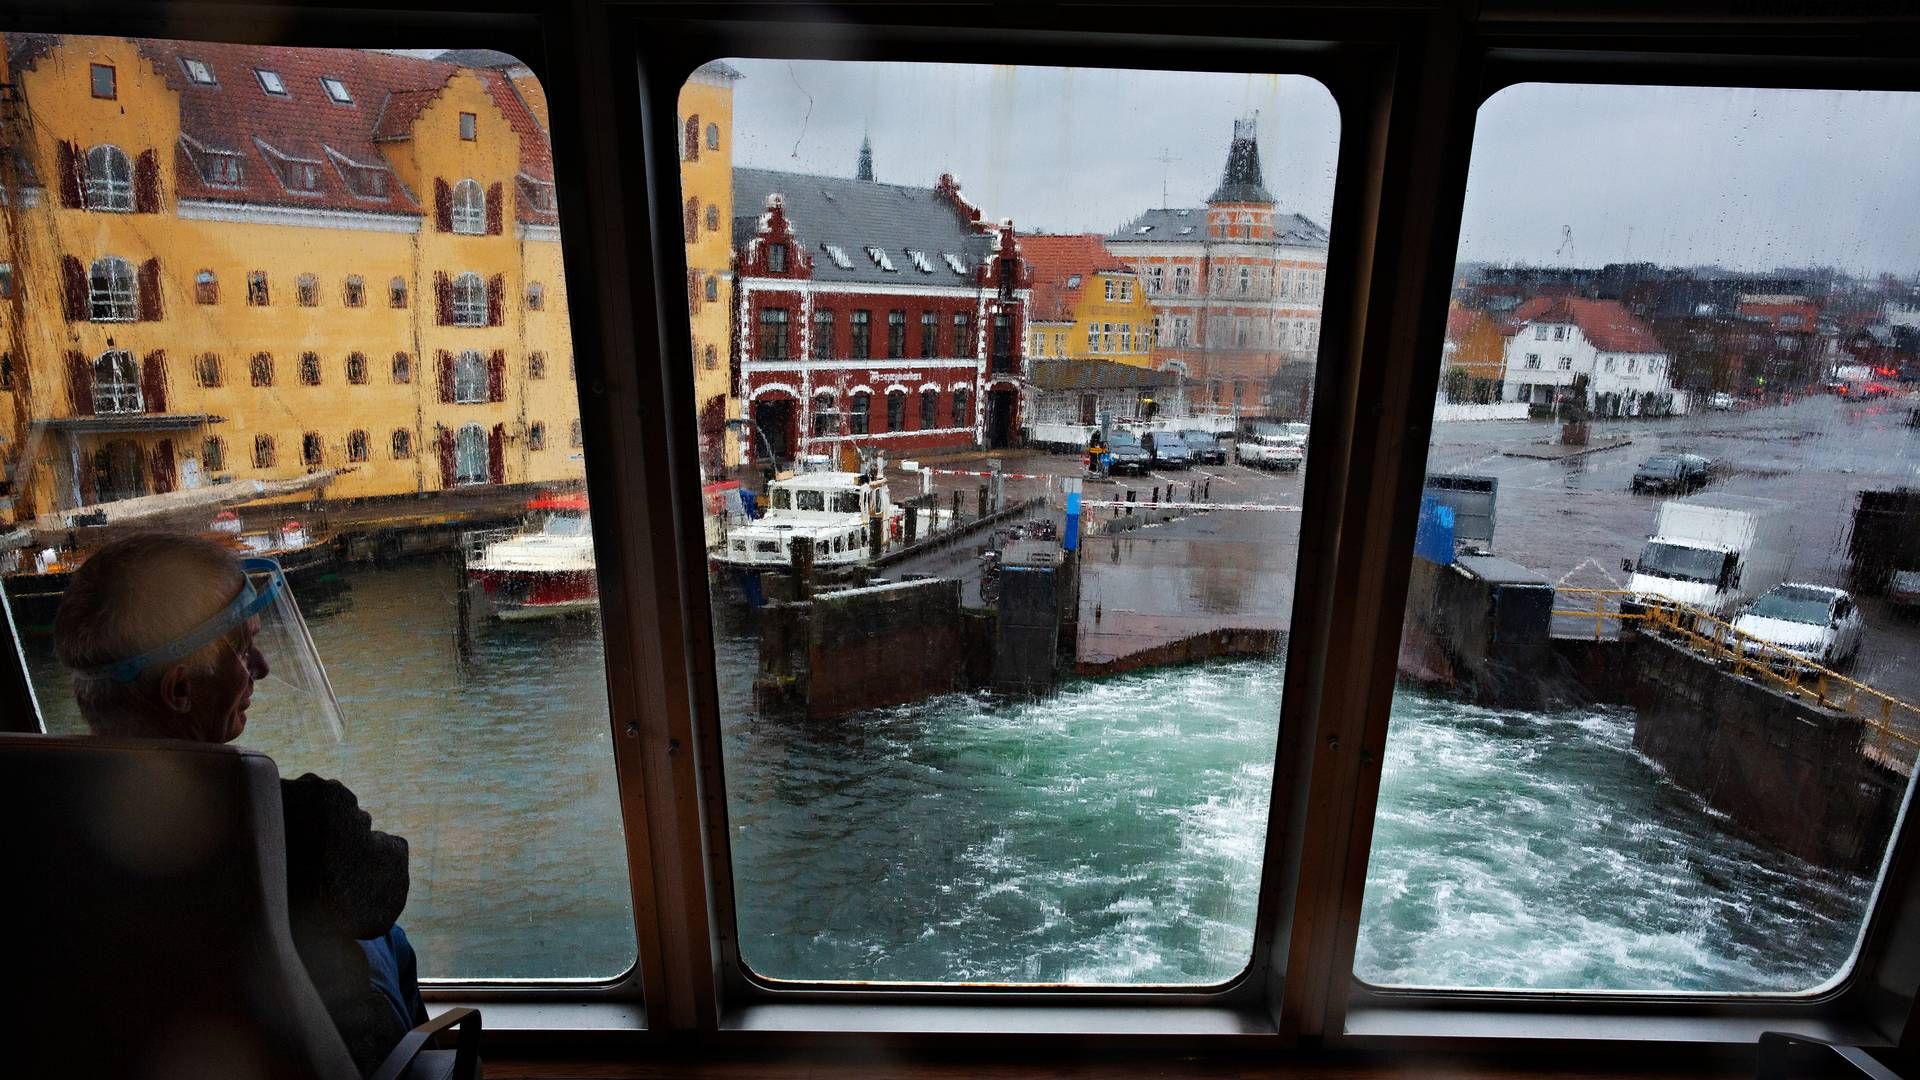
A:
1221, 644
881, 645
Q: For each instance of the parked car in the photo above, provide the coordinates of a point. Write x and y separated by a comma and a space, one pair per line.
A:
1721, 401
1205, 447
1813, 622
1169, 450
1269, 452
1673, 473
1126, 455
1903, 589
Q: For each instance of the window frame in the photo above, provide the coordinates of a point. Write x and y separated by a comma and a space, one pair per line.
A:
1408, 83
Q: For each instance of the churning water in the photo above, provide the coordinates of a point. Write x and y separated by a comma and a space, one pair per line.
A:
1109, 834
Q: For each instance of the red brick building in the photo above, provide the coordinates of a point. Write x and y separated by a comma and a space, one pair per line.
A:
873, 315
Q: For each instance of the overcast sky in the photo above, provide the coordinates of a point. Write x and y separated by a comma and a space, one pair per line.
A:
1747, 179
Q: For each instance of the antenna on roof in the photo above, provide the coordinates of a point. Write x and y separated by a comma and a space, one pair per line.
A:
1165, 159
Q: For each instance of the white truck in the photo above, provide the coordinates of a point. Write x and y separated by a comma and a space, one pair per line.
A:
1713, 552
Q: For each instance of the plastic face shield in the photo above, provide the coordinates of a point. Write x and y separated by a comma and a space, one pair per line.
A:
263, 614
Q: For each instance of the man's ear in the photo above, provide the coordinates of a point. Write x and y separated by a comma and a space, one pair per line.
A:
175, 694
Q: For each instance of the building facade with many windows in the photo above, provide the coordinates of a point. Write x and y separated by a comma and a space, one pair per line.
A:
1087, 303
241, 263
1236, 285
874, 315
706, 188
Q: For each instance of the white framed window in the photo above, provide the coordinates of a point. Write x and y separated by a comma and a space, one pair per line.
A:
1246, 281
1182, 280
1633, 364
1559, 333
469, 378
1126, 337
469, 300
336, 90
1539, 333
271, 82
1533, 361
1112, 289
110, 291
470, 455
1126, 291
197, 70
1286, 283
1566, 363
109, 179
116, 384
1093, 337
1155, 278
1609, 364
469, 208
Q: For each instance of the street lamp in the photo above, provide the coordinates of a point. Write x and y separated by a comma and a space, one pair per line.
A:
741, 425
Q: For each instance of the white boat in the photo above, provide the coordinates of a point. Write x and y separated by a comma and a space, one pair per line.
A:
542, 570
829, 510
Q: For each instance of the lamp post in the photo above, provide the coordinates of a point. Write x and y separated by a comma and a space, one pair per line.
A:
738, 425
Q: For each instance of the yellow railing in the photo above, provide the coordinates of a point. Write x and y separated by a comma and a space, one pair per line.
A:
1716, 639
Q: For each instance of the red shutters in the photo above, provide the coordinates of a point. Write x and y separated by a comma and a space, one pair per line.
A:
446, 457
80, 383
73, 283
692, 143
497, 455
163, 474
442, 206
70, 176
497, 375
496, 299
146, 183
496, 202
690, 221
693, 291
153, 382
443, 362
149, 291
442, 298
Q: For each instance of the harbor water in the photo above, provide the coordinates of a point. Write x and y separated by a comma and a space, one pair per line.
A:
1109, 834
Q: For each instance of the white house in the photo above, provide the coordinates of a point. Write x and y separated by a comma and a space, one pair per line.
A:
1553, 340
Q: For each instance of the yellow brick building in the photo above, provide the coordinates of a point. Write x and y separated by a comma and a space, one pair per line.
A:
706, 186
1087, 304
232, 262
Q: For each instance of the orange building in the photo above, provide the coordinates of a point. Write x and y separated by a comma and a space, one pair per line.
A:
1476, 348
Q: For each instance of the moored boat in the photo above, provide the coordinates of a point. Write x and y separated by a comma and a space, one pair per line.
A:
542, 570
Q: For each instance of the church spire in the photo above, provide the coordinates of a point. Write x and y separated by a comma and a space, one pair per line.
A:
864, 171
1240, 181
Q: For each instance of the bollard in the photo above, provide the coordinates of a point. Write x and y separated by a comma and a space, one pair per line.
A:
913, 523
983, 500
1154, 497
800, 552
955, 523
876, 536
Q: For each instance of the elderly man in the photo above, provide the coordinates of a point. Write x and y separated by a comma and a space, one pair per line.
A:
166, 637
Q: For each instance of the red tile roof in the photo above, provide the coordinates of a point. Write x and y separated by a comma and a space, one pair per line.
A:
1606, 323
236, 115
1055, 260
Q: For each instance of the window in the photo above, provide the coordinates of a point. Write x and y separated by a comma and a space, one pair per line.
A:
537, 296
306, 290
309, 369
536, 366
1539, 333
1533, 361
109, 179
470, 455
1566, 363
469, 378
400, 444
1182, 280
197, 70
356, 446
1559, 333
825, 420
357, 368
312, 450
573, 435
929, 409
713, 217
860, 325
962, 407
713, 288
1093, 338
1246, 281
469, 208
963, 343
397, 292
713, 136
110, 291
6, 281
260, 369
1156, 275
712, 358
896, 410
271, 82
773, 334
402, 368
862, 413
1002, 342
776, 258
104, 85
206, 370
1039, 343
116, 383
263, 451
219, 168
537, 436
822, 341
1126, 337
1608, 363
257, 288
895, 335
1633, 363
469, 126
206, 288
213, 453
336, 91
1113, 288
469, 300
929, 335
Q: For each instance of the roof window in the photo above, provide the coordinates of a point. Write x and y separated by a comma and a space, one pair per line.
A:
920, 262
880, 259
1185, 229
838, 254
336, 90
1143, 230
197, 70
953, 262
1073, 281
271, 82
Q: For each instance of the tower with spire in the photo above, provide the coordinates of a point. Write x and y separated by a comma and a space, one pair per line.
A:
1241, 208
864, 170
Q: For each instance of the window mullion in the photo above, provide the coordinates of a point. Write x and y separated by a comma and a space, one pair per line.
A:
1408, 167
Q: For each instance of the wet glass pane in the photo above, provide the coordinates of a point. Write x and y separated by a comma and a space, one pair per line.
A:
1655, 717
1002, 476
196, 356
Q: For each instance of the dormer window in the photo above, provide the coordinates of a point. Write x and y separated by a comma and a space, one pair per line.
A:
197, 71
336, 90
220, 169
777, 259
838, 254
538, 194
469, 126
1073, 281
271, 82
880, 259
920, 262
953, 262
